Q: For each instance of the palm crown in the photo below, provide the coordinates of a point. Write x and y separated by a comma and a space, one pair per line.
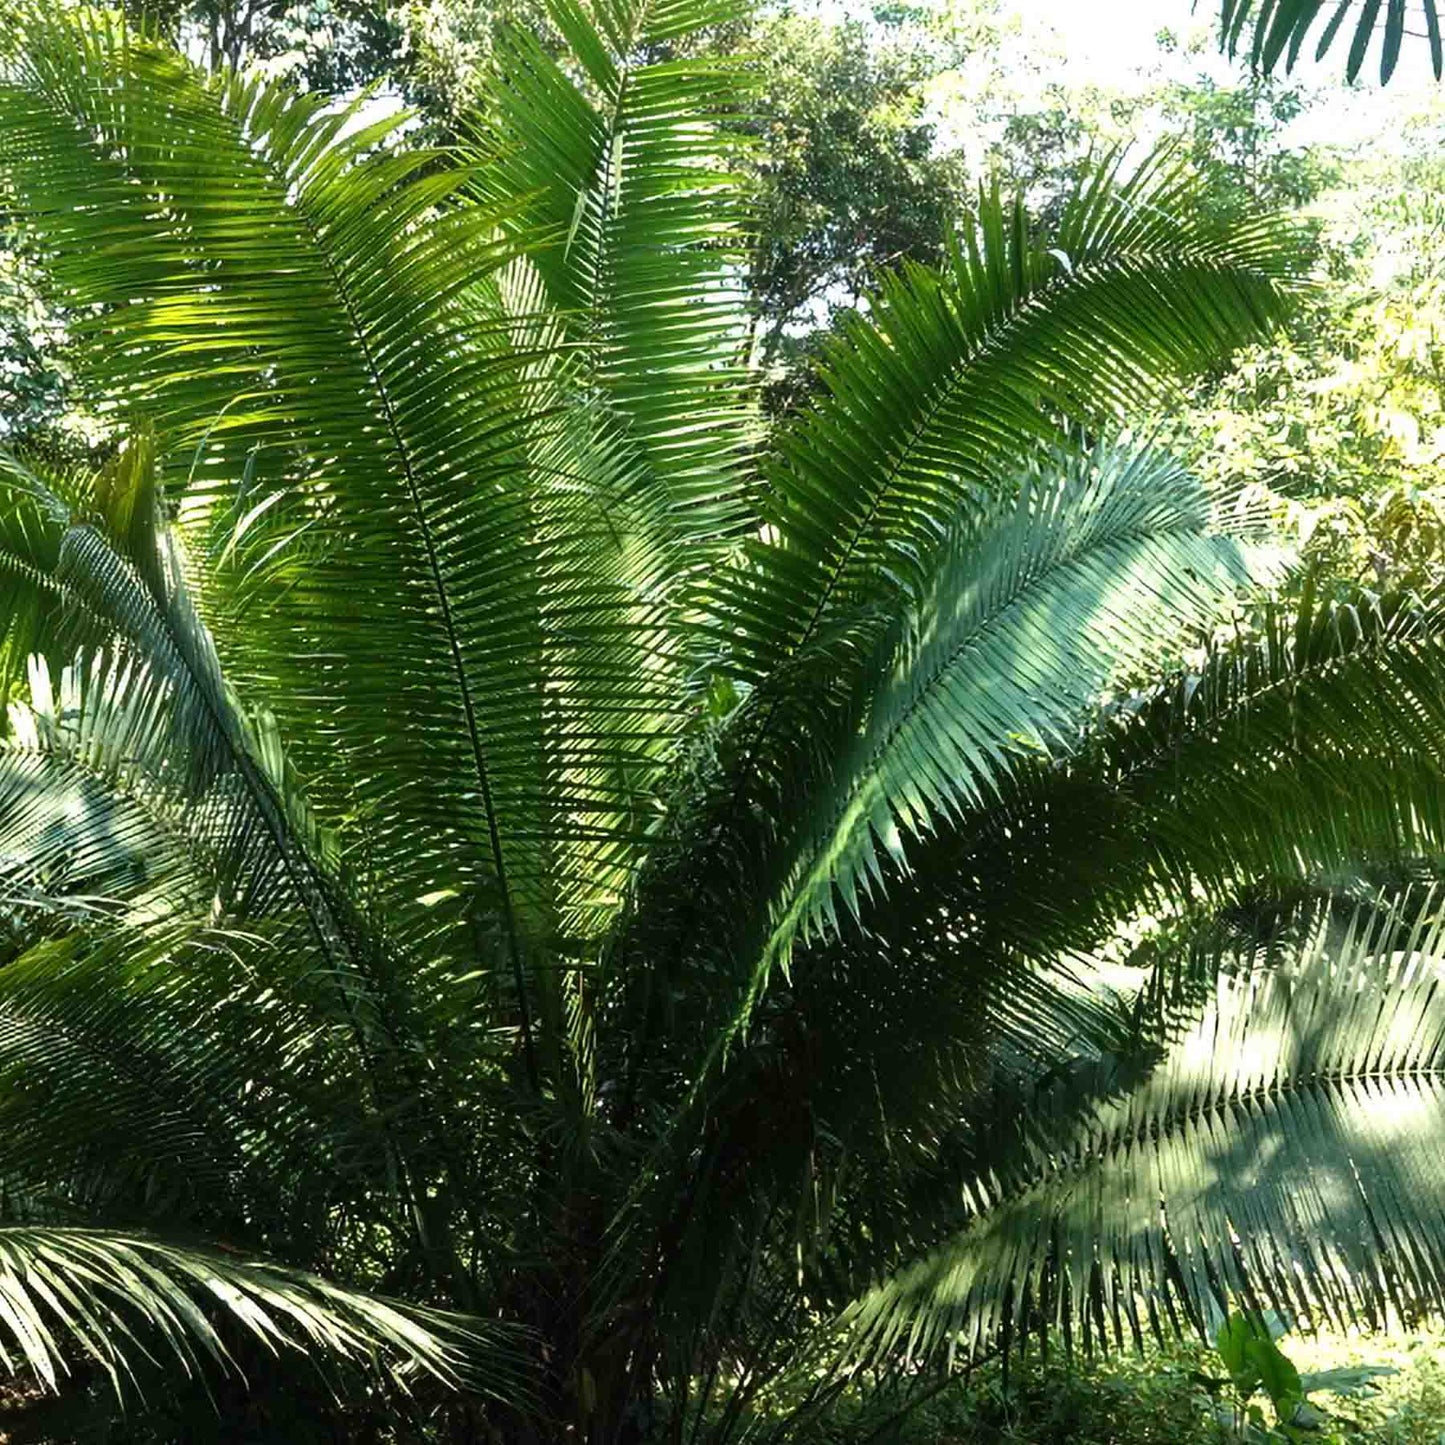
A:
586, 904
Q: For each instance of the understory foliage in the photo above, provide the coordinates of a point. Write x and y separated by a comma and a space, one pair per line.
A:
1362, 1391
1340, 419
582, 915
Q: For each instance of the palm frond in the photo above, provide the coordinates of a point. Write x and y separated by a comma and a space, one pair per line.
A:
1040, 602
629, 178
1099, 566
930, 404
1315, 743
383, 460
83, 830
1290, 755
1271, 31
166, 1074
96, 586
1282, 1152
119, 1297
1287, 757
1304, 747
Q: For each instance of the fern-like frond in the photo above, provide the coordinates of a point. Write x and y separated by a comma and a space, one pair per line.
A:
1041, 601
384, 459
1283, 1152
1035, 607
623, 168
1314, 744
1297, 751
83, 830
169, 1073
132, 689
1291, 755
120, 1297
957, 374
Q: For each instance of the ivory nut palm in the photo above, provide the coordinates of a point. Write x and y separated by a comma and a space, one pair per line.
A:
570, 912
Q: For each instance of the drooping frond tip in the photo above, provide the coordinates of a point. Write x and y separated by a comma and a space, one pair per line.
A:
108, 1294
1275, 33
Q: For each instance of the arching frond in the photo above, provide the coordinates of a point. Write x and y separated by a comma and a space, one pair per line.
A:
1093, 568
118, 1297
78, 839
894, 1036
1040, 601
1098, 567
385, 461
165, 1073
929, 404
1289, 757
623, 167
1283, 1151
1315, 743
1311, 743
132, 689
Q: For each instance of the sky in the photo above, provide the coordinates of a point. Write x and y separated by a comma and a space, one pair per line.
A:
1111, 39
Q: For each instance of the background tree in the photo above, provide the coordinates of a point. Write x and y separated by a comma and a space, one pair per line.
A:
1237, 132
33, 379
1340, 417
849, 183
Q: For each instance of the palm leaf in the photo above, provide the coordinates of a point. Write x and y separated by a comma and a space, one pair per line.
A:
131, 1065
116, 1296
1273, 30
392, 470
1039, 601
1329, 719
627, 172
1282, 1152
1099, 566
929, 405
144, 708
1287, 758
1298, 750
1290, 756
80, 830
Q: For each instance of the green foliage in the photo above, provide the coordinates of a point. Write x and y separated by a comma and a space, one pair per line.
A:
851, 176
1340, 418
495, 825
1099, 1221
1170, 1395
330, 44
1275, 31
1236, 135
32, 375
1256, 1365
